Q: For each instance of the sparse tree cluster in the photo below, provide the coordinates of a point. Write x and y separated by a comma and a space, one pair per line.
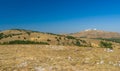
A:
2, 35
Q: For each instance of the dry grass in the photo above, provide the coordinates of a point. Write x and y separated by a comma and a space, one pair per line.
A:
57, 58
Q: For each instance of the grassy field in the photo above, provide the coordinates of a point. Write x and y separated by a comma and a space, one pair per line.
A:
58, 58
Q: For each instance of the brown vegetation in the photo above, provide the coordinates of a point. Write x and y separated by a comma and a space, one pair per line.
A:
57, 58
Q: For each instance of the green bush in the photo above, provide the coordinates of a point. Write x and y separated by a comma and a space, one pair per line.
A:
1, 35
106, 45
55, 37
53, 34
48, 40
77, 43
83, 41
70, 37
25, 42
24, 38
117, 40
38, 36
60, 38
83, 37
28, 33
18, 36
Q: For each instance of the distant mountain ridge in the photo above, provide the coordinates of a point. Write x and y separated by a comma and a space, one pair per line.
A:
93, 33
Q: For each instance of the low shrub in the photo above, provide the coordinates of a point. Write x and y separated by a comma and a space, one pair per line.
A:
106, 45
25, 42
48, 40
28, 33
77, 43
1, 35
70, 37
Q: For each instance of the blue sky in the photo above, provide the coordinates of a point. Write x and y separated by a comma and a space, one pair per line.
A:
60, 16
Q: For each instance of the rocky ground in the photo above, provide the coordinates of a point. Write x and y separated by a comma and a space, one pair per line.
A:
58, 58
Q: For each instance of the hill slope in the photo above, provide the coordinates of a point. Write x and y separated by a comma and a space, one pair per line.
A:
19, 36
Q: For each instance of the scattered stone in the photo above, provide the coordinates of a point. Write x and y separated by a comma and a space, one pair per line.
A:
101, 62
108, 50
86, 60
110, 62
39, 69
115, 64
70, 58
97, 63
24, 64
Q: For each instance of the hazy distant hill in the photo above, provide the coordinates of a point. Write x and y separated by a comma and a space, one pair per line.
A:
96, 34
